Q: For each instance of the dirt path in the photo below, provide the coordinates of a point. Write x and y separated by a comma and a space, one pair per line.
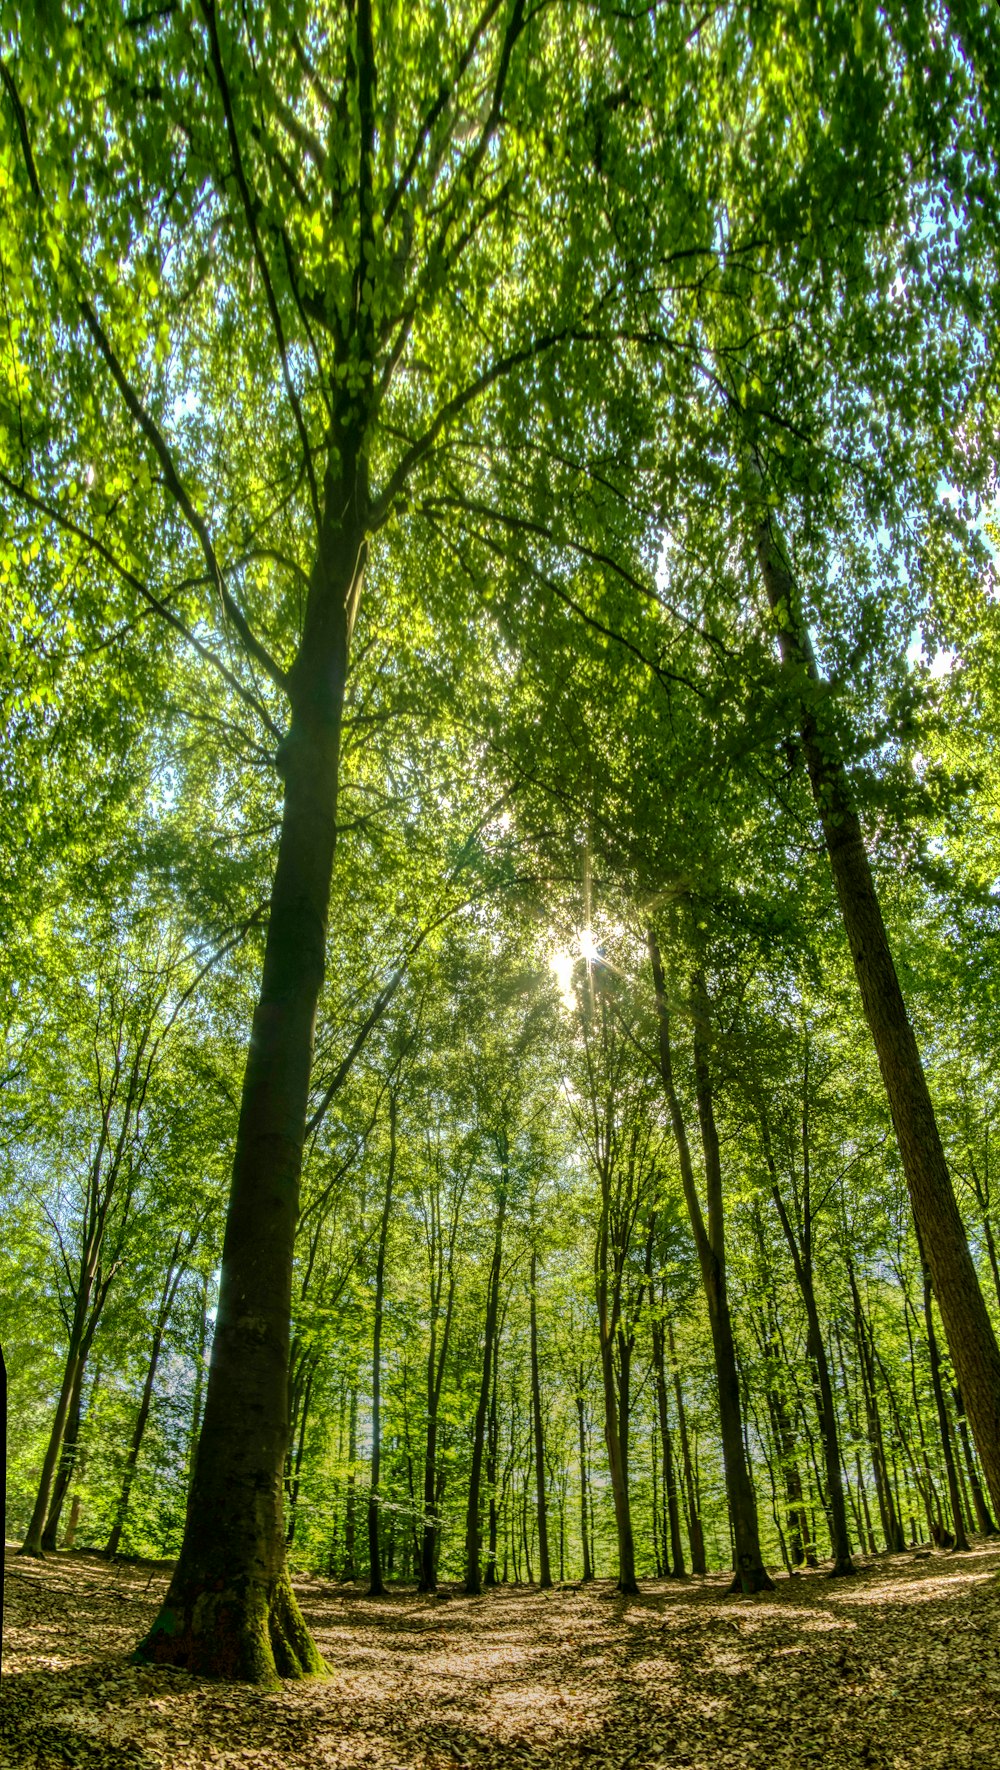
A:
899, 1670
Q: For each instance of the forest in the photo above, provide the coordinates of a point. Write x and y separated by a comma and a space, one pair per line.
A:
499, 830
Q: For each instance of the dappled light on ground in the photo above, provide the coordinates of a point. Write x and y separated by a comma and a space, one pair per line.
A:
899, 1670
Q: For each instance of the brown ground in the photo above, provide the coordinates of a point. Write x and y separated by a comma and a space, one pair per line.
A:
898, 1670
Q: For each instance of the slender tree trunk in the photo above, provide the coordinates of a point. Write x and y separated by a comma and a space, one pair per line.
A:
376, 1585
984, 1521
617, 1465
166, 1303
229, 1610
350, 1571
72, 1379
891, 1527
588, 1572
492, 1466
671, 1509
199, 1379
750, 1574
473, 1530
801, 1250
944, 1425
300, 1420
67, 1460
968, 1328
544, 1571
696, 1534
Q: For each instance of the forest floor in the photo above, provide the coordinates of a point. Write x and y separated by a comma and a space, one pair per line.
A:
897, 1670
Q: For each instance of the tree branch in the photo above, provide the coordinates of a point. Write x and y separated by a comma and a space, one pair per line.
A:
209, 12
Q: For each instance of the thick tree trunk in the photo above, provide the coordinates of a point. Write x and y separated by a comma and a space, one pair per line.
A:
750, 1574
376, 1586
968, 1328
544, 1570
473, 1529
229, 1610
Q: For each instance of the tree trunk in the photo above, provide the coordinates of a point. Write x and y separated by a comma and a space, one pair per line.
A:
71, 1383
671, 1509
944, 1425
67, 1460
350, 1569
968, 1328
199, 1379
891, 1527
473, 1532
376, 1586
800, 1247
750, 1574
544, 1571
984, 1521
167, 1296
492, 1465
696, 1534
617, 1462
588, 1572
229, 1610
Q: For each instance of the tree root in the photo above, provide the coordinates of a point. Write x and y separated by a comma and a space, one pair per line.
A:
252, 1632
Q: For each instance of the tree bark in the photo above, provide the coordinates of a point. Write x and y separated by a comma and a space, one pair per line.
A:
229, 1610
968, 1328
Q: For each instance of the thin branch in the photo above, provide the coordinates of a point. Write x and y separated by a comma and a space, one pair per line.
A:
159, 607
209, 12
178, 492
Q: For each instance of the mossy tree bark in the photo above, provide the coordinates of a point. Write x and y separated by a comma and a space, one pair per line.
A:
968, 1328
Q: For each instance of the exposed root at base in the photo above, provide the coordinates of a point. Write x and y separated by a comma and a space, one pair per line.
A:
252, 1632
